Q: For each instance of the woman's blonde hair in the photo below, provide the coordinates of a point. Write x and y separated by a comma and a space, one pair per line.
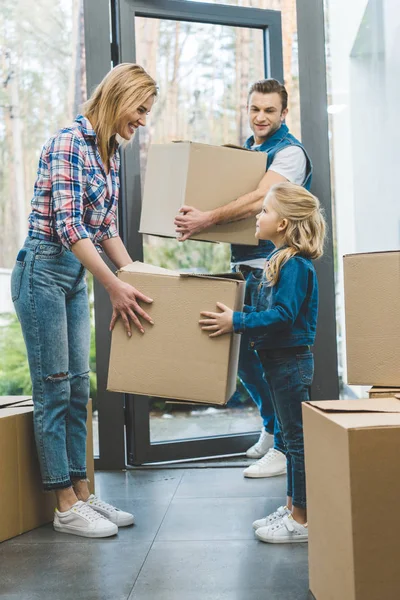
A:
306, 228
123, 89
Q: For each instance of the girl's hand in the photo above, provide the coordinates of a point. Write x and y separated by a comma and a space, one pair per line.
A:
124, 299
219, 323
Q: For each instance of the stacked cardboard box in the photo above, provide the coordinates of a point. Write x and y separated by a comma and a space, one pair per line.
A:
351, 447
175, 358
23, 504
205, 177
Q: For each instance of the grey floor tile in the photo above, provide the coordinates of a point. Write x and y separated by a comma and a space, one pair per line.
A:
160, 485
230, 570
102, 571
228, 483
148, 514
214, 518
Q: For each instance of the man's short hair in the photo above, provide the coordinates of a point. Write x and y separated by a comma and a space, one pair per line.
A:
269, 86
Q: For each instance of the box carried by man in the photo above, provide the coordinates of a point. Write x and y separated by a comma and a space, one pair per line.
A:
205, 177
175, 359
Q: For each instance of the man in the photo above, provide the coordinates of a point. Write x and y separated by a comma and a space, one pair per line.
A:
287, 161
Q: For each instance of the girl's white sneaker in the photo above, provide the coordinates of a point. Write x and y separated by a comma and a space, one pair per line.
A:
272, 518
110, 512
284, 531
81, 520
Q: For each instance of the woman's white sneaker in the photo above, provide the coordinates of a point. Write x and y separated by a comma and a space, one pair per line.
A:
283, 531
270, 465
81, 520
261, 446
110, 512
272, 518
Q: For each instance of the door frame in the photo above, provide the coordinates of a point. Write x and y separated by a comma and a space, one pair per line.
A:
109, 39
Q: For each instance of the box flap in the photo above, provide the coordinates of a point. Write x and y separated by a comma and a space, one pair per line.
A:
235, 147
365, 405
6, 401
371, 253
140, 267
231, 276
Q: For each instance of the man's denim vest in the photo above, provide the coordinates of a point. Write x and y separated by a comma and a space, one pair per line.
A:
278, 141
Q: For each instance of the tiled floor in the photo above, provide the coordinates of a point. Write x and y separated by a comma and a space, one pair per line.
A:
193, 541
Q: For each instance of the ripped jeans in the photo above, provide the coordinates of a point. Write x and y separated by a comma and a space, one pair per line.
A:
49, 292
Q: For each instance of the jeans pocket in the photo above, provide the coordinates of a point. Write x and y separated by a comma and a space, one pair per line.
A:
16, 277
49, 250
305, 365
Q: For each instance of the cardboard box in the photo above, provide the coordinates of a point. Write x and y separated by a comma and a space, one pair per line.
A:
202, 176
372, 308
23, 503
353, 482
384, 392
175, 358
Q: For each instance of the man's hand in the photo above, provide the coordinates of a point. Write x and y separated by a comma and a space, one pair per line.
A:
219, 323
189, 221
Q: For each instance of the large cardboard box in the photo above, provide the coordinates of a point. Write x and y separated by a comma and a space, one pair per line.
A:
384, 392
175, 358
353, 482
202, 176
372, 307
23, 503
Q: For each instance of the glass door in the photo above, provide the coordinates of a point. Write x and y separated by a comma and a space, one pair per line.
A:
204, 57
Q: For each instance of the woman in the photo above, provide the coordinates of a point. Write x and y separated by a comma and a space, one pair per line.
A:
73, 218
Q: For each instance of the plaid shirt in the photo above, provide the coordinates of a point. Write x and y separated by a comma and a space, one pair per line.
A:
71, 199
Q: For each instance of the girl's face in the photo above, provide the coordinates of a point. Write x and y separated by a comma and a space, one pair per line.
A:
128, 124
270, 226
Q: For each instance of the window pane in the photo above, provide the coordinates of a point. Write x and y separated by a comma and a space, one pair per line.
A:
203, 72
42, 70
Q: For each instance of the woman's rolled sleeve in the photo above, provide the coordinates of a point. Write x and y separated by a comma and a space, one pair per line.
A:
66, 163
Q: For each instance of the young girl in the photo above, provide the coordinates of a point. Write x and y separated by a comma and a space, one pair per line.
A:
282, 327
73, 217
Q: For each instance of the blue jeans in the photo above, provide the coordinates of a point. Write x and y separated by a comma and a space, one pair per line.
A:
289, 372
49, 292
251, 370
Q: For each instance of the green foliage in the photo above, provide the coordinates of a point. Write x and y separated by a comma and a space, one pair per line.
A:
190, 255
14, 371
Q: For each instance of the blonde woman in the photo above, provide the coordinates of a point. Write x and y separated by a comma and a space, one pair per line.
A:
282, 328
73, 218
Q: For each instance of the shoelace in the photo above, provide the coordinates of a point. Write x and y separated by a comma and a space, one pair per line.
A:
101, 504
87, 512
271, 454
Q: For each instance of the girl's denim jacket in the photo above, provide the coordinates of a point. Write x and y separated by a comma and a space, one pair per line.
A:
285, 314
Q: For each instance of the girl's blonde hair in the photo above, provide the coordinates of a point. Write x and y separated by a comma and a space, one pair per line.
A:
123, 89
305, 232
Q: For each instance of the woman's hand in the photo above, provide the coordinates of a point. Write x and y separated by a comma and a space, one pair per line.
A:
219, 323
124, 299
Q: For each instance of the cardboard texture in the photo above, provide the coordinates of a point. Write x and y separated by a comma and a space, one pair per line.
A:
372, 309
383, 392
202, 176
352, 475
23, 503
175, 359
